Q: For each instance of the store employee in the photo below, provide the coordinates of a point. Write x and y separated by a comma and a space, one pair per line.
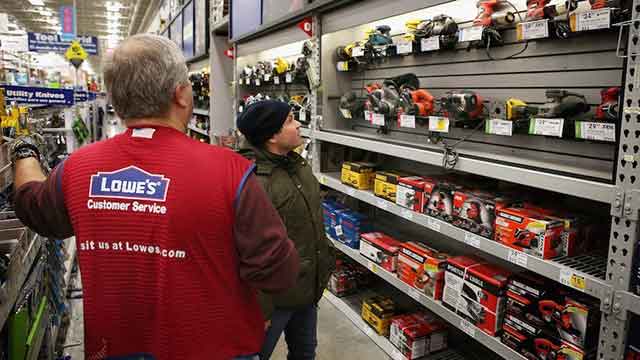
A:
174, 236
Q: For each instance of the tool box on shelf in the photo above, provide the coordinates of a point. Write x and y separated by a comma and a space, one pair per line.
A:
576, 318
360, 175
410, 192
386, 184
377, 311
529, 231
381, 249
352, 225
476, 211
422, 268
417, 335
543, 347
439, 198
525, 294
330, 211
476, 290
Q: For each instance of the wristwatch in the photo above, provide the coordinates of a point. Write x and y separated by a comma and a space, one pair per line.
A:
24, 147
25, 152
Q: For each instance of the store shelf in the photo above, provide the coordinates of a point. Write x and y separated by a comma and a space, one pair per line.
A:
591, 269
198, 130
436, 307
221, 27
350, 309
203, 112
629, 301
538, 179
305, 131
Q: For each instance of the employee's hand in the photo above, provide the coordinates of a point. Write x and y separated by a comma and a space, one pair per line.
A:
26, 146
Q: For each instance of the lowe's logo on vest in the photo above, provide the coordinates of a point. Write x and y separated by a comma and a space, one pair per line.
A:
129, 183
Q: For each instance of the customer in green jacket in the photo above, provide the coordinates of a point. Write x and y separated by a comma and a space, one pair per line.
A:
273, 133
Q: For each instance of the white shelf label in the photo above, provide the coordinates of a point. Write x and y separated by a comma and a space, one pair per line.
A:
499, 127
267, 77
404, 47
351, 191
257, 82
468, 328
439, 124
357, 51
547, 127
408, 121
433, 224
382, 204
338, 229
596, 131
430, 44
518, 258
346, 113
377, 119
368, 116
407, 214
276, 80
397, 355
323, 180
415, 294
342, 66
591, 20
288, 78
369, 331
473, 33
472, 240
571, 279
303, 115
533, 30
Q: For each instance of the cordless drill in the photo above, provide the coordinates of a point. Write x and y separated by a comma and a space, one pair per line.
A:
608, 108
486, 8
535, 9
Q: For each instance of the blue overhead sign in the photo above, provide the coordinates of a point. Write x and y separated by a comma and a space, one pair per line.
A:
38, 96
44, 42
82, 96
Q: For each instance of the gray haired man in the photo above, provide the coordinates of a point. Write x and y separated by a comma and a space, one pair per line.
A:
174, 236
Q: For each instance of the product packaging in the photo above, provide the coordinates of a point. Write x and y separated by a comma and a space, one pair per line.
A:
529, 231
360, 175
543, 347
386, 184
410, 192
439, 199
330, 211
377, 311
352, 224
381, 249
422, 268
417, 335
576, 318
476, 290
525, 293
342, 283
476, 211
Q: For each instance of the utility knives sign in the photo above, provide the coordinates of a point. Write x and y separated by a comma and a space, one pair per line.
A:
306, 26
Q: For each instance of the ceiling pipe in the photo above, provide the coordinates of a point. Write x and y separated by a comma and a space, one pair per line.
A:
134, 16
152, 9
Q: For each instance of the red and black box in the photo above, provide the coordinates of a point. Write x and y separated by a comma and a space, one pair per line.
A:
529, 231
417, 335
381, 249
476, 211
438, 200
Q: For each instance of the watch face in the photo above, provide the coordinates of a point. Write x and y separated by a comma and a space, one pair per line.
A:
24, 153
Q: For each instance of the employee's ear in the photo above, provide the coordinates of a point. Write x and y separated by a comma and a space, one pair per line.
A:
183, 95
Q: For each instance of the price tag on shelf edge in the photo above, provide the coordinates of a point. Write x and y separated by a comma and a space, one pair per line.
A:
351, 191
377, 119
499, 127
430, 44
346, 114
397, 355
596, 131
415, 294
276, 80
267, 77
369, 331
533, 30
472, 240
439, 124
547, 127
591, 20
518, 258
433, 224
407, 214
373, 266
404, 47
407, 121
323, 180
473, 33
357, 51
342, 66
382, 204
468, 328
571, 279
257, 82
288, 78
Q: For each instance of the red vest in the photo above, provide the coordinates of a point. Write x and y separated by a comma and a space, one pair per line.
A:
153, 214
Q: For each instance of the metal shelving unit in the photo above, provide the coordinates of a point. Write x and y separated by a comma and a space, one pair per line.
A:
199, 131
436, 307
203, 112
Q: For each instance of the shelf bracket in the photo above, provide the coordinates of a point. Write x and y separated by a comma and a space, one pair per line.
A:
626, 205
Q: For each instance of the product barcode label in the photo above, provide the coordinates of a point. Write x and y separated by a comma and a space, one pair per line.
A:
346, 113
276, 80
547, 127
303, 115
368, 116
498, 127
288, 78
408, 121
257, 82
533, 30
430, 44
357, 51
473, 33
433, 224
517, 257
472, 240
377, 119
468, 328
591, 20
596, 131
382, 204
404, 47
407, 214
338, 229
342, 66
439, 124
571, 279
267, 77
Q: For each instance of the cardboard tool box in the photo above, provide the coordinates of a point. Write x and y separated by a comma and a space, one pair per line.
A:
386, 184
417, 335
422, 268
377, 311
381, 249
529, 231
360, 175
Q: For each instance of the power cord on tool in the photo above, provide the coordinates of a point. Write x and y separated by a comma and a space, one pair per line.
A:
494, 34
450, 155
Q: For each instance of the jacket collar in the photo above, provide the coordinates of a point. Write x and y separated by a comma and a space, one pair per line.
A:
266, 162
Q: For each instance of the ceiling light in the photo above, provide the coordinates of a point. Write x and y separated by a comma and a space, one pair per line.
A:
113, 16
52, 21
113, 6
45, 12
36, 2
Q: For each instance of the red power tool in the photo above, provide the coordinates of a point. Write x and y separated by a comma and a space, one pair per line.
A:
423, 101
486, 8
608, 108
535, 9
551, 310
547, 350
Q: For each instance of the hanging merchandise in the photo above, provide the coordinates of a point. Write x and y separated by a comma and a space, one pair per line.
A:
15, 123
351, 106
608, 108
442, 26
80, 130
464, 108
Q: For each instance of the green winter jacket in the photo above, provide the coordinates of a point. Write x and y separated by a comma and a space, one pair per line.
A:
295, 193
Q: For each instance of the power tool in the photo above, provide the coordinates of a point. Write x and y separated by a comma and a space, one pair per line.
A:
464, 106
280, 66
535, 9
554, 312
350, 105
563, 104
547, 350
423, 102
381, 35
517, 109
486, 8
442, 26
385, 100
608, 108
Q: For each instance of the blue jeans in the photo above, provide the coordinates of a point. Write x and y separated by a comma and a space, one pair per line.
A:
300, 332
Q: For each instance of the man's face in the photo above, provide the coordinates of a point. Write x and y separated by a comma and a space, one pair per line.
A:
288, 138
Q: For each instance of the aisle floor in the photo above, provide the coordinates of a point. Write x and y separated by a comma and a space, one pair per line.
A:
338, 338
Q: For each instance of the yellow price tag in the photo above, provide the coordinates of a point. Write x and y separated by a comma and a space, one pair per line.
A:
439, 124
578, 282
323, 180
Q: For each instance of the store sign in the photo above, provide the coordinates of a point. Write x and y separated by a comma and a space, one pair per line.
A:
44, 42
68, 22
14, 43
38, 96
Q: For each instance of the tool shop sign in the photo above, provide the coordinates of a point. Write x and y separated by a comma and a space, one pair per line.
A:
44, 42
38, 96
